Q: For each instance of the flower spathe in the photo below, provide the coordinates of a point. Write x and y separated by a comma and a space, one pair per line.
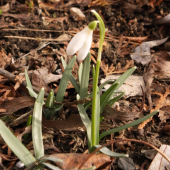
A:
82, 42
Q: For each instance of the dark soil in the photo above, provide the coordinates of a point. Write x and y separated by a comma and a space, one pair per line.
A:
121, 19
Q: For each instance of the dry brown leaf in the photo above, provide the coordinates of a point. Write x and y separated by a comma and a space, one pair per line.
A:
162, 65
142, 52
16, 104
163, 31
161, 103
4, 59
73, 123
73, 160
5, 8
21, 16
77, 14
148, 78
47, 6
164, 20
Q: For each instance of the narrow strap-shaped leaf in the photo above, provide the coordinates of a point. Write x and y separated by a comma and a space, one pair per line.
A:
32, 92
51, 158
85, 77
87, 105
37, 126
50, 99
72, 79
106, 96
86, 121
134, 123
124, 76
112, 101
28, 124
28, 81
51, 166
16, 146
111, 153
64, 80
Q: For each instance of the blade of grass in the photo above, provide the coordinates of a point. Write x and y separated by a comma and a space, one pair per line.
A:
16, 146
134, 123
37, 126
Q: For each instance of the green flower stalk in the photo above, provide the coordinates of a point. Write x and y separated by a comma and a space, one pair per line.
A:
96, 102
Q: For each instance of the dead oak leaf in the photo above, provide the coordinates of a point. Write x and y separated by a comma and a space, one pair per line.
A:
72, 160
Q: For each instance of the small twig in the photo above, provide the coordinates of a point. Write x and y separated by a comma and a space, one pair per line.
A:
122, 140
14, 78
37, 30
37, 39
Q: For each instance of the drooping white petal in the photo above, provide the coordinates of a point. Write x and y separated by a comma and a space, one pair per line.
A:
77, 41
86, 47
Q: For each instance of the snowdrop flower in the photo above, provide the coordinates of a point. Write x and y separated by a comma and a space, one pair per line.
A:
82, 42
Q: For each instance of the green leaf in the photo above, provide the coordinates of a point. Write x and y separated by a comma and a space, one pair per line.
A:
112, 101
50, 99
72, 79
87, 105
105, 83
30, 89
106, 96
28, 124
86, 121
32, 92
85, 77
124, 76
111, 153
134, 123
49, 113
37, 126
16, 146
28, 80
51, 166
64, 80
50, 158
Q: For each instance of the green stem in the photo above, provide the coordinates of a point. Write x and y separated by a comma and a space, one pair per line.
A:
95, 133
96, 97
